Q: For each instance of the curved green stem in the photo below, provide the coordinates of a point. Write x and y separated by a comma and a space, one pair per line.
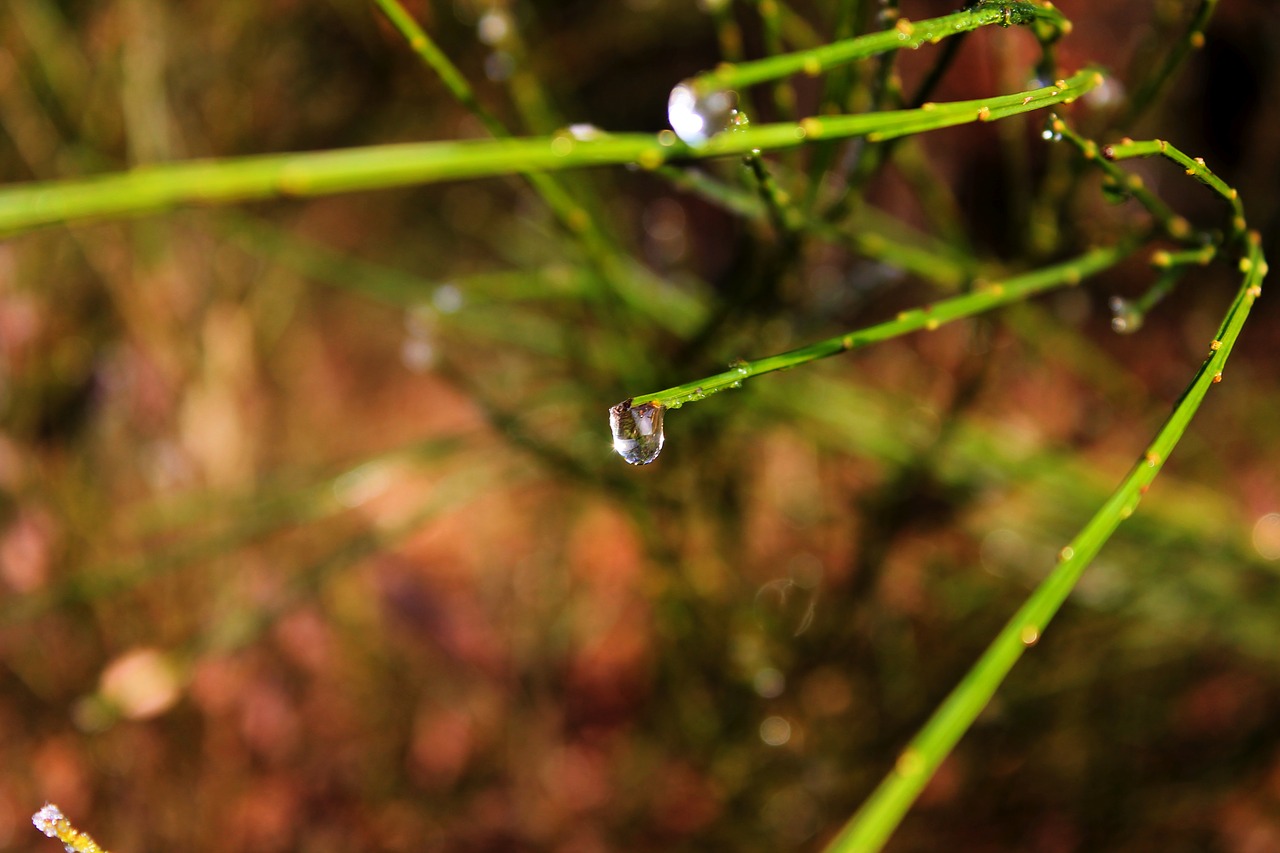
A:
872, 825
1193, 166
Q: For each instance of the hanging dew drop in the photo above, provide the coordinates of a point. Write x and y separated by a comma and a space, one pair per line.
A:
697, 117
637, 431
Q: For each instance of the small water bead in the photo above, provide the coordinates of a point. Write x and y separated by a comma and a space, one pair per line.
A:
637, 431
493, 27
585, 132
696, 117
1126, 319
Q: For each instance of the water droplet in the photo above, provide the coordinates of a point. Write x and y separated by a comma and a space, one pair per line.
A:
775, 731
1126, 319
784, 608
637, 431
696, 117
493, 26
1052, 130
584, 131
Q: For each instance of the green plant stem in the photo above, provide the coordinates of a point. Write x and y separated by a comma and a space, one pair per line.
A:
929, 317
562, 204
869, 236
784, 96
164, 186
1193, 166
871, 826
435, 59
1173, 225
1193, 38
905, 34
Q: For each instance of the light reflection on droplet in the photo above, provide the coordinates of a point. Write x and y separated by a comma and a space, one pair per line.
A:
775, 731
493, 26
697, 117
1266, 536
1125, 318
637, 431
585, 131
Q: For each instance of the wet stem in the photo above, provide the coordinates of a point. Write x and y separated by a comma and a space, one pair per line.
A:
637, 423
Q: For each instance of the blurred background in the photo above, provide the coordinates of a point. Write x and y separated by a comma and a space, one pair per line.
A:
312, 538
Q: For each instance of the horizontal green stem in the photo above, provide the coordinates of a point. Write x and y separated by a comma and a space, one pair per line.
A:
871, 826
930, 317
906, 34
160, 187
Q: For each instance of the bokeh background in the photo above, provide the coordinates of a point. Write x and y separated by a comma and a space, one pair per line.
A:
311, 536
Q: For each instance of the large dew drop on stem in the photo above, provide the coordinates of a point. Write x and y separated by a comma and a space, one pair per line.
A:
696, 117
637, 431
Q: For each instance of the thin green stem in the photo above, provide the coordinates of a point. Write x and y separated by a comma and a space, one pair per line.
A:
868, 236
1193, 166
1174, 225
782, 213
431, 54
904, 34
872, 825
562, 204
1192, 39
161, 187
784, 96
990, 296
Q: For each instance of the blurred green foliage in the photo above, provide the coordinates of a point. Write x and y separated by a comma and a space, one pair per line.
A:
310, 532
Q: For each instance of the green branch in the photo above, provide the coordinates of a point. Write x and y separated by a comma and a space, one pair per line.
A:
992, 295
904, 34
1192, 39
1193, 166
871, 826
1124, 182
164, 186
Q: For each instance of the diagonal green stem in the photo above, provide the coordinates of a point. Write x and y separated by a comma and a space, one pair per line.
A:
1193, 38
431, 54
871, 826
905, 34
929, 317
160, 187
